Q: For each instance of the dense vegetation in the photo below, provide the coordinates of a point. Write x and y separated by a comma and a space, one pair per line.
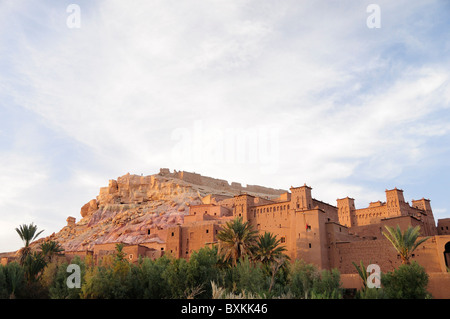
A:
243, 265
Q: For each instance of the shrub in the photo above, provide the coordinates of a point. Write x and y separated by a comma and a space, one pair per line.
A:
406, 282
328, 286
175, 277
146, 280
202, 270
58, 288
306, 281
13, 277
301, 278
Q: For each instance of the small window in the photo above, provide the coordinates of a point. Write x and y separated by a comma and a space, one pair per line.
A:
162, 248
309, 245
173, 234
148, 232
130, 257
207, 231
283, 240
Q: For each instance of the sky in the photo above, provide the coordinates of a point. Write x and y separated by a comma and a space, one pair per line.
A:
349, 98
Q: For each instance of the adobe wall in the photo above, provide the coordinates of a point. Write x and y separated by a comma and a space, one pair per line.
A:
338, 233
133, 252
438, 284
308, 231
374, 230
196, 236
330, 210
269, 215
443, 226
206, 212
173, 241
382, 253
219, 184
369, 215
276, 219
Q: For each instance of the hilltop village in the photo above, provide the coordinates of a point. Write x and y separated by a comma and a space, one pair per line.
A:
177, 213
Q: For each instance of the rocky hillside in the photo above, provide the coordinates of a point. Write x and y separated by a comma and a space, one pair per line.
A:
130, 205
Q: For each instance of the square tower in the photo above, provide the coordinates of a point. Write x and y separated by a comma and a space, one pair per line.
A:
346, 208
395, 202
301, 197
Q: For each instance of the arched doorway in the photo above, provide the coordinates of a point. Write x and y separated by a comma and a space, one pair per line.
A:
447, 254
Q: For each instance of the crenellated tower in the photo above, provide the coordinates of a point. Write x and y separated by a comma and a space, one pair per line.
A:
346, 208
428, 220
301, 197
395, 203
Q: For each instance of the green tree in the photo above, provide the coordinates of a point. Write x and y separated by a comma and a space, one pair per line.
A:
58, 288
202, 269
14, 279
3, 288
27, 233
306, 281
34, 265
404, 242
328, 285
236, 240
301, 278
248, 277
409, 281
175, 278
109, 281
147, 281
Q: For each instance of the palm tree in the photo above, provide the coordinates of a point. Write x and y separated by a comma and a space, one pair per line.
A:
50, 248
27, 233
34, 264
268, 249
236, 240
362, 271
404, 242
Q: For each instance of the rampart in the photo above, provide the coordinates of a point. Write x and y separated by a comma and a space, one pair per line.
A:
219, 184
